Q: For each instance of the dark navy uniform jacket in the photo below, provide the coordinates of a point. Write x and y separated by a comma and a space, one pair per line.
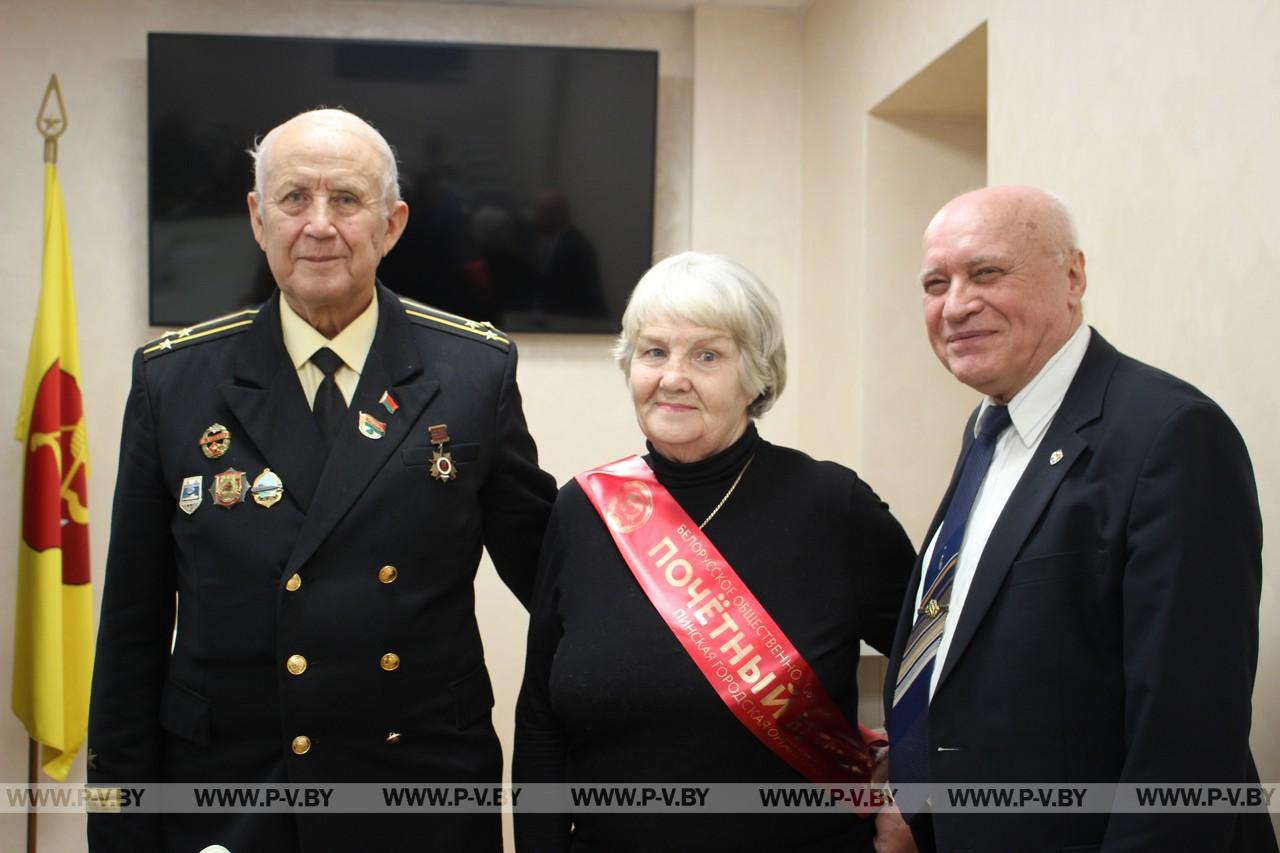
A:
331, 636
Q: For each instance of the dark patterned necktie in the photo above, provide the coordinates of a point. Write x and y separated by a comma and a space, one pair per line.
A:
909, 722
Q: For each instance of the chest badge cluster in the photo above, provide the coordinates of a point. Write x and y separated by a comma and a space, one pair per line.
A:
231, 487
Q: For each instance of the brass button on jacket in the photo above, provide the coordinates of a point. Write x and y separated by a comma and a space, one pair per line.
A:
293, 582
390, 661
393, 737
296, 664
388, 574
301, 745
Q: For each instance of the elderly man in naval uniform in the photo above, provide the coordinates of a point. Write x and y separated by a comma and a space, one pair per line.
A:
305, 489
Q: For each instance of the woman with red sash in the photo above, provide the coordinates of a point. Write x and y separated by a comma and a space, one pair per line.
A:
699, 610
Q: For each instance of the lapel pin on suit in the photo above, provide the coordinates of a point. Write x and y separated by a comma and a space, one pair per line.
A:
267, 488
192, 494
371, 427
442, 467
215, 441
228, 488
1055, 457
388, 402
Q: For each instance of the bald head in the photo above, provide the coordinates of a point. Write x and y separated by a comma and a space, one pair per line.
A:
1003, 282
337, 123
1040, 217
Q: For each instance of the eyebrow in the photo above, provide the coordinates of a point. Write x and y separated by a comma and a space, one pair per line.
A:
701, 341
976, 261
985, 259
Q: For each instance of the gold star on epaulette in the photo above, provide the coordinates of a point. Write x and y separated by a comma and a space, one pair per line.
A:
186, 333
167, 343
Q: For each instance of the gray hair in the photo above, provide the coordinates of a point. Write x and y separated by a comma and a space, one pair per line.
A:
336, 119
717, 293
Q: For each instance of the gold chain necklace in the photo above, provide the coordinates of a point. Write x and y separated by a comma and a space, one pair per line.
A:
736, 481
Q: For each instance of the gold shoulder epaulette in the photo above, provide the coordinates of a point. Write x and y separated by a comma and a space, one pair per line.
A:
209, 330
434, 318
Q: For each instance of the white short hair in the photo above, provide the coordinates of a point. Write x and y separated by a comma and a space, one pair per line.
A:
338, 118
717, 293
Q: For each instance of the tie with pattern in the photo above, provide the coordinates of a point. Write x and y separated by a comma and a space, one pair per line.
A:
909, 723
328, 406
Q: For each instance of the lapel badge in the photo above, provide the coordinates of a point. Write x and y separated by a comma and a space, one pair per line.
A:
1055, 457
228, 488
215, 441
371, 427
267, 489
442, 467
388, 402
191, 495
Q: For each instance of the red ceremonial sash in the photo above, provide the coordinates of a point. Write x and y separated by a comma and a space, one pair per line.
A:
746, 658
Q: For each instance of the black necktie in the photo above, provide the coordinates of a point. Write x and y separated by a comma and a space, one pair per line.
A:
328, 407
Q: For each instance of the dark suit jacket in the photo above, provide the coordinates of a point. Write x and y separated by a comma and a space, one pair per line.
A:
222, 706
1111, 630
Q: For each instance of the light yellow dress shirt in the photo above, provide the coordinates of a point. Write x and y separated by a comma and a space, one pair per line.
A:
352, 345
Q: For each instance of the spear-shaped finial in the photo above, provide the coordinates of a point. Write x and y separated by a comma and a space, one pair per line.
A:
49, 122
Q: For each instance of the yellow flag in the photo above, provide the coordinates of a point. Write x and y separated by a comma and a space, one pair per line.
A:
53, 642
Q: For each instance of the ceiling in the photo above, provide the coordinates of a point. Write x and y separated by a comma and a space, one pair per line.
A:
637, 4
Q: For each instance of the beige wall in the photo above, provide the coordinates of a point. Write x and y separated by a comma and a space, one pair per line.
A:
1156, 120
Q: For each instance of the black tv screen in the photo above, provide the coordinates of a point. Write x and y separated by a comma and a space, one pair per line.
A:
528, 170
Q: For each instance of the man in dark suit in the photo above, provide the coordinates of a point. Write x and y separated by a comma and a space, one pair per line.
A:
1091, 615
314, 480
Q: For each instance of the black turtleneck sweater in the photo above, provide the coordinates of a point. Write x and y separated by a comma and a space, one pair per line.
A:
609, 695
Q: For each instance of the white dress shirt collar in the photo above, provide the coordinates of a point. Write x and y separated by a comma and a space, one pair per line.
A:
1032, 408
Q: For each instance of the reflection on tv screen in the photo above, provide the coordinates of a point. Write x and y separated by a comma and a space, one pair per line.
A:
528, 170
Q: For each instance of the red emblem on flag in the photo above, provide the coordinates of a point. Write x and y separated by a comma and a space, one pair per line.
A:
54, 488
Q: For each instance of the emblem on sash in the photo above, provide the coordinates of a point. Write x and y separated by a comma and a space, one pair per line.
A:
191, 495
267, 489
631, 508
371, 427
442, 467
228, 488
215, 441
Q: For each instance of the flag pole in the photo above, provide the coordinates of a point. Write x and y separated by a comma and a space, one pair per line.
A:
33, 774
50, 125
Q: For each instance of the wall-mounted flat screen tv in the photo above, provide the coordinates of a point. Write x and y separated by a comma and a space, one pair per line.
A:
528, 170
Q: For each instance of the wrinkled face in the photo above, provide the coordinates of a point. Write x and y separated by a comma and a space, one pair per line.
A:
687, 389
997, 301
322, 220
